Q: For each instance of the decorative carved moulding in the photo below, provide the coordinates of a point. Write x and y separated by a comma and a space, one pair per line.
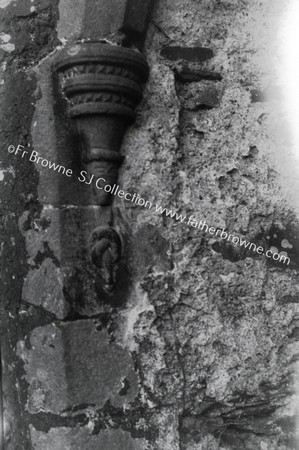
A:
103, 86
102, 77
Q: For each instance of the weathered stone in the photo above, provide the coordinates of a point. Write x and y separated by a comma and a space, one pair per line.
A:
73, 364
41, 233
82, 439
27, 8
189, 75
201, 96
44, 287
22, 9
108, 17
31, 28
70, 23
191, 54
152, 250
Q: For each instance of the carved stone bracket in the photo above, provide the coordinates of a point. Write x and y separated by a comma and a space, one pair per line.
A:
103, 86
101, 77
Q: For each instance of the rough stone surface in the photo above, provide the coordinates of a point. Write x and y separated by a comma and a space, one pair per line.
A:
43, 286
110, 17
119, 21
198, 348
194, 54
69, 439
74, 364
70, 23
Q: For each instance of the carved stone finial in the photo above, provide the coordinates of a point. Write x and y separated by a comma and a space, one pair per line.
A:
102, 84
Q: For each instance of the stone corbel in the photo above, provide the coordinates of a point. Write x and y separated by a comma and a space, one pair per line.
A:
101, 77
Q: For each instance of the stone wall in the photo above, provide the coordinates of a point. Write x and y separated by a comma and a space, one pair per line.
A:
197, 349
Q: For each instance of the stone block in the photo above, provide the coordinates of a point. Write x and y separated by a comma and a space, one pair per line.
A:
74, 364
107, 17
82, 439
44, 287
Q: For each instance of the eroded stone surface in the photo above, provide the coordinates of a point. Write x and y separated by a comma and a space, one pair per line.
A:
71, 13
193, 54
81, 439
44, 287
73, 364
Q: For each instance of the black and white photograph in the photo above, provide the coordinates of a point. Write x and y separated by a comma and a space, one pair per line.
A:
149, 224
